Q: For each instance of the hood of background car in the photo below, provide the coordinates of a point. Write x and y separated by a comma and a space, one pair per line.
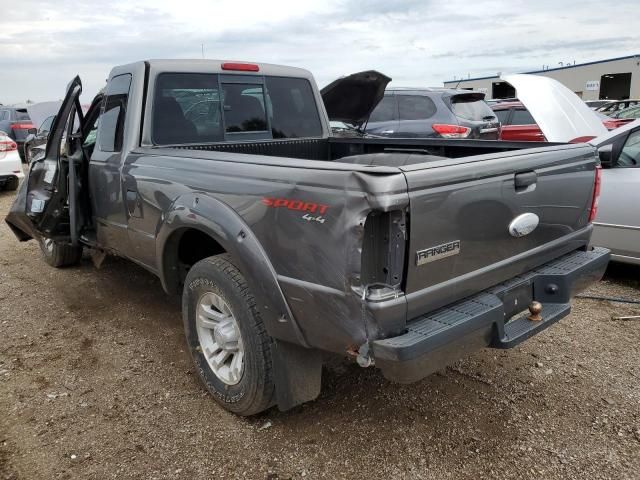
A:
351, 99
561, 114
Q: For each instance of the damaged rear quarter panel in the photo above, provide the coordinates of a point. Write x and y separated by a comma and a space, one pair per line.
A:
319, 262
308, 217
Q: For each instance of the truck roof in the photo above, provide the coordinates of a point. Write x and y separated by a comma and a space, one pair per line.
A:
216, 66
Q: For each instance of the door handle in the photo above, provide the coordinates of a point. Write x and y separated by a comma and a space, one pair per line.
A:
524, 180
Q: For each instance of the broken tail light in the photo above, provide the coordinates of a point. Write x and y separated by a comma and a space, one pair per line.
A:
596, 194
8, 146
451, 131
383, 249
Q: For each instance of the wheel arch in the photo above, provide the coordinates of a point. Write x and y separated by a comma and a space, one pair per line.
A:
228, 232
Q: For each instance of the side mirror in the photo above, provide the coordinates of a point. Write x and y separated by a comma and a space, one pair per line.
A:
605, 153
32, 131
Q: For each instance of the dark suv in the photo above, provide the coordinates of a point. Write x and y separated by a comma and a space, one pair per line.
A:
16, 123
432, 112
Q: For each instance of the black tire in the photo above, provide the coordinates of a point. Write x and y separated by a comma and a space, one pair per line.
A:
254, 392
60, 255
12, 184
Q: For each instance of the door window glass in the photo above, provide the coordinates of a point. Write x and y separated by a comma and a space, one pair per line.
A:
385, 111
415, 107
630, 154
502, 115
46, 125
111, 129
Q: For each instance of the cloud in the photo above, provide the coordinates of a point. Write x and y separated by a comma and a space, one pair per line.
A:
417, 42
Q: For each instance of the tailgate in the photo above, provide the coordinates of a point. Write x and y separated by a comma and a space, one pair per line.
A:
461, 211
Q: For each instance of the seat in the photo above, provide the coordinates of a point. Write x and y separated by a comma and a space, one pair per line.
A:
170, 125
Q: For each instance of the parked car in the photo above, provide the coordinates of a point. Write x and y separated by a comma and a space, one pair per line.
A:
10, 165
628, 114
16, 123
617, 223
432, 113
36, 141
286, 242
519, 125
516, 122
595, 104
616, 105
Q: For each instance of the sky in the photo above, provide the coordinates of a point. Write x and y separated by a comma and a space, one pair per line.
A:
43, 44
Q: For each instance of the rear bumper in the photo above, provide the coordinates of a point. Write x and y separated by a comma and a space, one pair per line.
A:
436, 339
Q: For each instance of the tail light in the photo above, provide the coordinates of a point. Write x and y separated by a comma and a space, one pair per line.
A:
596, 194
451, 131
584, 139
8, 145
21, 126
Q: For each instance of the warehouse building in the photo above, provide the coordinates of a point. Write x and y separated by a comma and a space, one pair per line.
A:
614, 79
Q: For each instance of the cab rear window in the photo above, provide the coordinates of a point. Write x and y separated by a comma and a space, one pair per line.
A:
204, 108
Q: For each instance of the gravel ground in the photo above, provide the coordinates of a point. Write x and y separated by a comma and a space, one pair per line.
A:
95, 383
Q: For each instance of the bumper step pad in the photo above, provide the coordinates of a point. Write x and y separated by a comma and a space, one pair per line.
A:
482, 320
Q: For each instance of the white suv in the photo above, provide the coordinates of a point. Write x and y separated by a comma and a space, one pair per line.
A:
10, 165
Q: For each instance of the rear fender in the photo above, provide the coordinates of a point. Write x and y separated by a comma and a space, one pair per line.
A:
224, 225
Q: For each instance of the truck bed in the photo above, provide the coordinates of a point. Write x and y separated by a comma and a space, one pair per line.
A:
334, 148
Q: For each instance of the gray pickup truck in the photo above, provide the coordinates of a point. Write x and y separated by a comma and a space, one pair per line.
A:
287, 243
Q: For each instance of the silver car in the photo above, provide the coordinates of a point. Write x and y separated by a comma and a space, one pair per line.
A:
617, 224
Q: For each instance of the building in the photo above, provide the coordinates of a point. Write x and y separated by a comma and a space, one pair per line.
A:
614, 78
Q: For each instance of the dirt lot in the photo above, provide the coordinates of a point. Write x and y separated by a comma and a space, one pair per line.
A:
95, 383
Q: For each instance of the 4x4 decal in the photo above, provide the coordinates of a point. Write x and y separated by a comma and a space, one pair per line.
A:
308, 208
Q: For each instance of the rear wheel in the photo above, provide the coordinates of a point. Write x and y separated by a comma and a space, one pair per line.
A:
226, 337
59, 254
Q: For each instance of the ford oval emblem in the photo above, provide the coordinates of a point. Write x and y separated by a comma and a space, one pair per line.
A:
523, 224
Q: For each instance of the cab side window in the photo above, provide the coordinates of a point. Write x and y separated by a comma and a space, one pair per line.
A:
111, 127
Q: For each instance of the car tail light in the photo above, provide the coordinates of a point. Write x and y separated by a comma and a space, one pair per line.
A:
21, 126
584, 139
451, 131
8, 145
241, 67
596, 194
